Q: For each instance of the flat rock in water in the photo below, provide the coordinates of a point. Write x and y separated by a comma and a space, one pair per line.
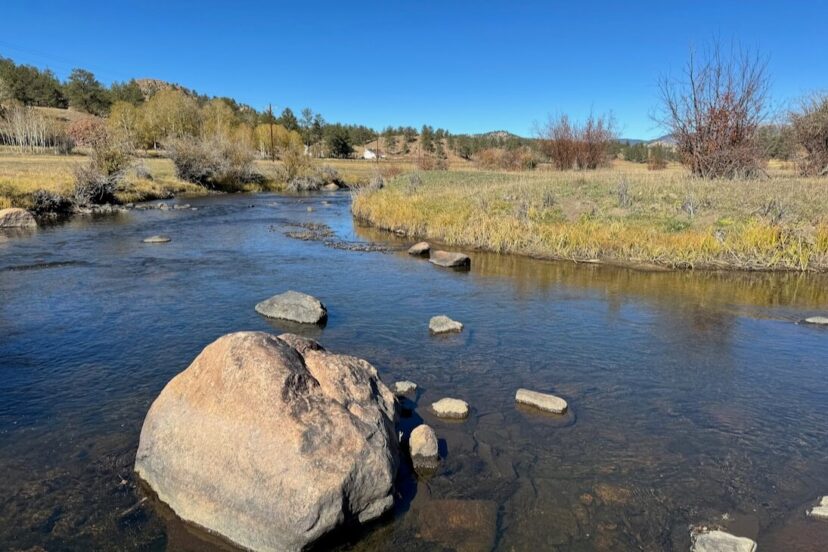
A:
294, 306
270, 446
157, 239
542, 401
15, 217
451, 408
719, 541
450, 260
420, 249
330, 187
818, 320
820, 511
443, 324
423, 447
405, 388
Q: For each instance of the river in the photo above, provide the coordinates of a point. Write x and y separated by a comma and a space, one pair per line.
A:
696, 398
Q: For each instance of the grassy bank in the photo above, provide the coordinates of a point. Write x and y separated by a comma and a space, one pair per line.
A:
624, 214
22, 175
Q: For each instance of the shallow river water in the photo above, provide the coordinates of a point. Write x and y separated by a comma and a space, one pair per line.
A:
696, 398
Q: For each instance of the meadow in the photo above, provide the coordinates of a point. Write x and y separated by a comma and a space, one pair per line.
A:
623, 214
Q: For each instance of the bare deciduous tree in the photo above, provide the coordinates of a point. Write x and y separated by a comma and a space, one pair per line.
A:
715, 110
810, 128
573, 145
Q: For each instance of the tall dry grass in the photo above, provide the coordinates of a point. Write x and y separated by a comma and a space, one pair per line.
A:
624, 215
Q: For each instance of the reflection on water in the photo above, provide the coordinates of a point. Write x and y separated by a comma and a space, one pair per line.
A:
694, 395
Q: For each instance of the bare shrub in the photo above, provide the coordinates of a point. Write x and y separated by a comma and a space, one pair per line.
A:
714, 112
579, 146
87, 131
431, 163
657, 158
810, 127
515, 159
45, 202
92, 186
215, 162
304, 183
96, 181
295, 162
391, 171
313, 180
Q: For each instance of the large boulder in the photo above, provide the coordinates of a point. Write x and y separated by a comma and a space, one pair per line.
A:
450, 260
294, 306
272, 442
16, 218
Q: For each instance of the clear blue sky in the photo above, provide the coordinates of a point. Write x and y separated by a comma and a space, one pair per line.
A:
466, 66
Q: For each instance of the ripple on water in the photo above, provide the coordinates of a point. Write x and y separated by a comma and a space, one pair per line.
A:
692, 395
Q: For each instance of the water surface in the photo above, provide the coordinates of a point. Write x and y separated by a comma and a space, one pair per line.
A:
695, 398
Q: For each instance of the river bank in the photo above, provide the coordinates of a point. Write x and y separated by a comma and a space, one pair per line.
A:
624, 215
668, 375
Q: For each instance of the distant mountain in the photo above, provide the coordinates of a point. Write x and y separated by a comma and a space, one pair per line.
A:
150, 86
666, 140
501, 134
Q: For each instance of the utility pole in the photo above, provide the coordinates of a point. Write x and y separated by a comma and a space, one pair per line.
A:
270, 120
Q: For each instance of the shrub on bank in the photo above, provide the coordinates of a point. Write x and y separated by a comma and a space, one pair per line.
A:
314, 180
215, 163
518, 159
44, 202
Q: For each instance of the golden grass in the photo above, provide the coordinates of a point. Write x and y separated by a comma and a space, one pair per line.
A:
624, 214
21, 175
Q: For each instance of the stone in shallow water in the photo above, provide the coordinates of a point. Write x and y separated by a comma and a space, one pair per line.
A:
271, 445
462, 525
451, 408
423, 447
719, 541
294, 306
157, 239
542, 401
450, 260
15, 217
405, 388
818, 320
444, 324
420, 249
820, 511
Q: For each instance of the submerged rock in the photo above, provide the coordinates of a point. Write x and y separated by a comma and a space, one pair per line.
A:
820, 511
443, 324
15, 217
294, 306
450, 260
405, 388
719, 541
461, 525
451, 408
272, 442
420, 249
542, 401
423, 447
157, 239
817, 320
